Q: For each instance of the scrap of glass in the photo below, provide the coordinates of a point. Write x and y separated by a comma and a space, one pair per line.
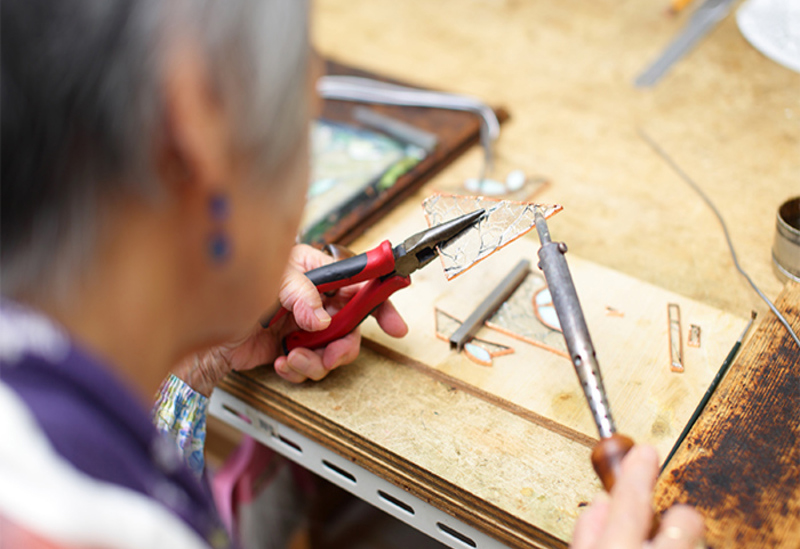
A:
545, 310
694, 335
517, 318
504, 222
477, 354
345, 162
446, 325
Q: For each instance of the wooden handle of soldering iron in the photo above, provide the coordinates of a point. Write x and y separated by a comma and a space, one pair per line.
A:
607, 458
607, 462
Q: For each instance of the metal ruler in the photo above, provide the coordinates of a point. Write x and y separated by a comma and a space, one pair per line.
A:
702, 21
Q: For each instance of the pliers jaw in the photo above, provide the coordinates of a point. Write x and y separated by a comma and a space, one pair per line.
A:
422, 248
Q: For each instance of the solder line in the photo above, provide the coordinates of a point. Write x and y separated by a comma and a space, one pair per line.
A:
714, 209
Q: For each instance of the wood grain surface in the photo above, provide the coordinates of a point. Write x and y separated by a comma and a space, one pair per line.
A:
739, 464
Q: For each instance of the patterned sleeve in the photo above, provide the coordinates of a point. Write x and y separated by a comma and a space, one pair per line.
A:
180, 413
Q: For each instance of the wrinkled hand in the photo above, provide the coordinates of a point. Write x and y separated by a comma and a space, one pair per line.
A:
310, 312
624, 519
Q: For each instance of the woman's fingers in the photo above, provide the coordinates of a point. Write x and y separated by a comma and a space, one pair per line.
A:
390, 320
299, 295
288, 373
681, 528
591, 522
302, 364
341, 351
631, 511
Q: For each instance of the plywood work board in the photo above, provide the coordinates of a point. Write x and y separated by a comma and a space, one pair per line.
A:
650, 402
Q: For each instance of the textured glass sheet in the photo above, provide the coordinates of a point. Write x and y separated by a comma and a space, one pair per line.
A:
506, 221
517, 318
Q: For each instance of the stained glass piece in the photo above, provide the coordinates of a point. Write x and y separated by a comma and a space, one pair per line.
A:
544, 309
517, 318
477, 354
495, 349
505, 221
446, 325
345, 161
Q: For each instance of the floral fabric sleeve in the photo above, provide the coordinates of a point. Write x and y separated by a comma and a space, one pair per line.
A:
180, 413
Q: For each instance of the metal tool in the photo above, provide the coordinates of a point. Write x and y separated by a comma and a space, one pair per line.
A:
385, 269
702, 21
607, 455
489, 306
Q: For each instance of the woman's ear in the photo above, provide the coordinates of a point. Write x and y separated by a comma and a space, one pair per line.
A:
195, 147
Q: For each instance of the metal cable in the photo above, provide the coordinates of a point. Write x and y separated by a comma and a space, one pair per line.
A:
714, 209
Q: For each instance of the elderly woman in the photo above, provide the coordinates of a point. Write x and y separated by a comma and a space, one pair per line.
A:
154, 168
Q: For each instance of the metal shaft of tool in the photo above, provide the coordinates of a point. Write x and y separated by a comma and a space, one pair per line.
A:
573, 325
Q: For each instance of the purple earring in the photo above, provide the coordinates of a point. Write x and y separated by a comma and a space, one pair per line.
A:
219, 245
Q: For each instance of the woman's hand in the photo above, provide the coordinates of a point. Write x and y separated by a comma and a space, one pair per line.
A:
623, 520
310, 312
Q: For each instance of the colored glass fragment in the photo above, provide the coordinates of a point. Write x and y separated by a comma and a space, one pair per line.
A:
345, 162
505, 222
544, 309
477, 354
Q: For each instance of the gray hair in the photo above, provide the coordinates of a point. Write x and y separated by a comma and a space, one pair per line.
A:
82, 105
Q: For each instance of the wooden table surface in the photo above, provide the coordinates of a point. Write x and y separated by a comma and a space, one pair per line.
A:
564, 70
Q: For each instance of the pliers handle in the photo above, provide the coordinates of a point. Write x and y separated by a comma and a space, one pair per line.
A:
376, 266
387, 269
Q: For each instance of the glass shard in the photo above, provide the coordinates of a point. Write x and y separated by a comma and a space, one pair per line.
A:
477, 354
694, 335
517, 318
494, 349
446, 325
505, 221
545, 310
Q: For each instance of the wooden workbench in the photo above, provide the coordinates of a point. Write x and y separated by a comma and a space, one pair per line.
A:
726, 114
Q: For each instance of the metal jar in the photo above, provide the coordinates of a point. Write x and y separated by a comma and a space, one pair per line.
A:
786, 249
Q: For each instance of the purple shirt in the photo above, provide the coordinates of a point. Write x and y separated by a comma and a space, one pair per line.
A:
99, 426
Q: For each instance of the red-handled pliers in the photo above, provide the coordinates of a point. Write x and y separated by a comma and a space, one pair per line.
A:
385, 268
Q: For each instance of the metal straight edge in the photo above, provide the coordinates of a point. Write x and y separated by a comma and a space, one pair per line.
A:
490, 305
702, 21
348, 475
396, 128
